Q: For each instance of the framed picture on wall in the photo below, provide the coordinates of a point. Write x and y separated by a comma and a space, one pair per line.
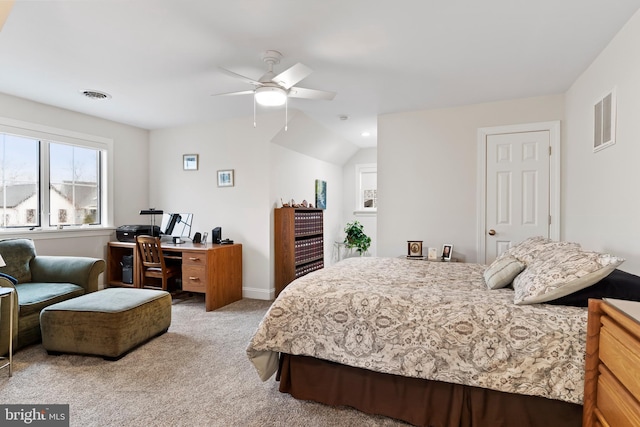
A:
190, 162
225, 178
321, 194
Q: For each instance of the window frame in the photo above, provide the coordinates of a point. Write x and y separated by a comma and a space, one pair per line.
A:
362, 169
47, 134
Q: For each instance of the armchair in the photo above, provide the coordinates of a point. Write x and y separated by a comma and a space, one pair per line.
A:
39, 281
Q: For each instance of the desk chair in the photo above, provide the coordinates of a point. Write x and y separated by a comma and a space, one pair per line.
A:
153, 263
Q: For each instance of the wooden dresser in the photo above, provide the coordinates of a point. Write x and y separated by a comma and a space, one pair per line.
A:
612, 376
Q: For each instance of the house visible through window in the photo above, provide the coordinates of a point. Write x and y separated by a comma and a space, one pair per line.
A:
46, 183
74, 183
19, 173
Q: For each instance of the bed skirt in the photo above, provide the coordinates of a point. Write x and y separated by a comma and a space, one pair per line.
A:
417, 401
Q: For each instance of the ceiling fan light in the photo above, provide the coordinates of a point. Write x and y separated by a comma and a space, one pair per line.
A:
270, 96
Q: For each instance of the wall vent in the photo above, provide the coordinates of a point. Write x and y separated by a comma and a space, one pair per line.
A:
604, 129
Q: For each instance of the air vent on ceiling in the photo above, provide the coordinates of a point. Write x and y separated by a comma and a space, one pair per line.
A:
94, 94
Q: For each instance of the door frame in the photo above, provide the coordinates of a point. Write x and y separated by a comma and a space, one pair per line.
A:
554, 178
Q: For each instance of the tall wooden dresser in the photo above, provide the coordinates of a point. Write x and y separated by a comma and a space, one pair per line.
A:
612, 376
299, 244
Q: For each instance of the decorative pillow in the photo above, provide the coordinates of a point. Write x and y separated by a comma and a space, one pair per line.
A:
619, 284
562, 274
502, 271
539, 248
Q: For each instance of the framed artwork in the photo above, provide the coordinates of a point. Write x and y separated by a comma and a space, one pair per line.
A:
414, 248
321, 194
447, 251
190, 162
225, 178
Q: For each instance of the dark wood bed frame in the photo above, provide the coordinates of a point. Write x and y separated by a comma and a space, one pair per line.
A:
417, 401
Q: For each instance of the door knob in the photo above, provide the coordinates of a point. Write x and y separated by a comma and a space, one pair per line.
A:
492, 232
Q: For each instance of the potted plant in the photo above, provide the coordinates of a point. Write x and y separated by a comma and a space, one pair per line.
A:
356, 238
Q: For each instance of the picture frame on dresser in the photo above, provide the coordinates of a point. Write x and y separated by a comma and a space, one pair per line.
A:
447, 251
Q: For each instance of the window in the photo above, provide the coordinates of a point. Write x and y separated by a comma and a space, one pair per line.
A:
50, 177
74, 184
19, 173
367, 187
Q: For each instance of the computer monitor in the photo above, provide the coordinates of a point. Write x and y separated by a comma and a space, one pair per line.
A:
171, 223
176, 224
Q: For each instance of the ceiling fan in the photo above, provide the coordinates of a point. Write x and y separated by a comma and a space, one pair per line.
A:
274, 89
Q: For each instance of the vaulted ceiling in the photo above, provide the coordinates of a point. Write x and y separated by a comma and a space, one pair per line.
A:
159, 59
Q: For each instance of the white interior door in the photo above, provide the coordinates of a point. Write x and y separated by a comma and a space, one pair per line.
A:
517, 189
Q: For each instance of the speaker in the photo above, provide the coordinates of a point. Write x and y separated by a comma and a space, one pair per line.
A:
197, 238
216, 235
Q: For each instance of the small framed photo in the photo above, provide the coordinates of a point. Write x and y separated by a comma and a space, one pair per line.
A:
190, 162
432, 254
414, 248
447, 251
225, 178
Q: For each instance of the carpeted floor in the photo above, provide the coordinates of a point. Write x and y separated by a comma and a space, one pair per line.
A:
196, 374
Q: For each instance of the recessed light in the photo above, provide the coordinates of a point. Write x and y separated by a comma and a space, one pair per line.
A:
94, 94
365, 134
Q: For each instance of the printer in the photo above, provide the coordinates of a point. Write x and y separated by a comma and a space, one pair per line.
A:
128, 233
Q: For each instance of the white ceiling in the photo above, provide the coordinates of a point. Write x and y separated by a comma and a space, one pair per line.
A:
159, 59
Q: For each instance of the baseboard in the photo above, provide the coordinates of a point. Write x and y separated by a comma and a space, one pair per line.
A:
256, 293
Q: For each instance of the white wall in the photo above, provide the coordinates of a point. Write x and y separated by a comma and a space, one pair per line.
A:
264, 173
293, 176
601, 201
131, 181
427, 171
368, 220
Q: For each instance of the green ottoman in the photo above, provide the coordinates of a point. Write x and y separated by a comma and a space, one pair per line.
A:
105, 323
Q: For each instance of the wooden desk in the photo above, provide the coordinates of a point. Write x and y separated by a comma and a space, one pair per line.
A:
212, 269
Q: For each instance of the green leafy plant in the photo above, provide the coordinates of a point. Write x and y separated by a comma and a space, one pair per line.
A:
356, 238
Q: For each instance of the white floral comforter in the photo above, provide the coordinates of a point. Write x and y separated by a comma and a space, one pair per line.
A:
429, 320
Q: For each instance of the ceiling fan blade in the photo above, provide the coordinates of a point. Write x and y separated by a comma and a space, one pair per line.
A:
240, 76
292, 75
301, 92
244, 92
5, 8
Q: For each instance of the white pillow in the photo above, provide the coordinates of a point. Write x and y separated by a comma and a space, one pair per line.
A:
502, 271
562, 274
538, 248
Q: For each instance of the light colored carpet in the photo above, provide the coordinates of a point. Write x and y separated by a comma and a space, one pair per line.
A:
196, 374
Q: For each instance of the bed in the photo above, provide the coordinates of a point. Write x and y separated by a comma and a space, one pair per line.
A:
438, 343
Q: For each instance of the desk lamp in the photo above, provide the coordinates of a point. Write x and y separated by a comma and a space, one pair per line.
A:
153, 212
